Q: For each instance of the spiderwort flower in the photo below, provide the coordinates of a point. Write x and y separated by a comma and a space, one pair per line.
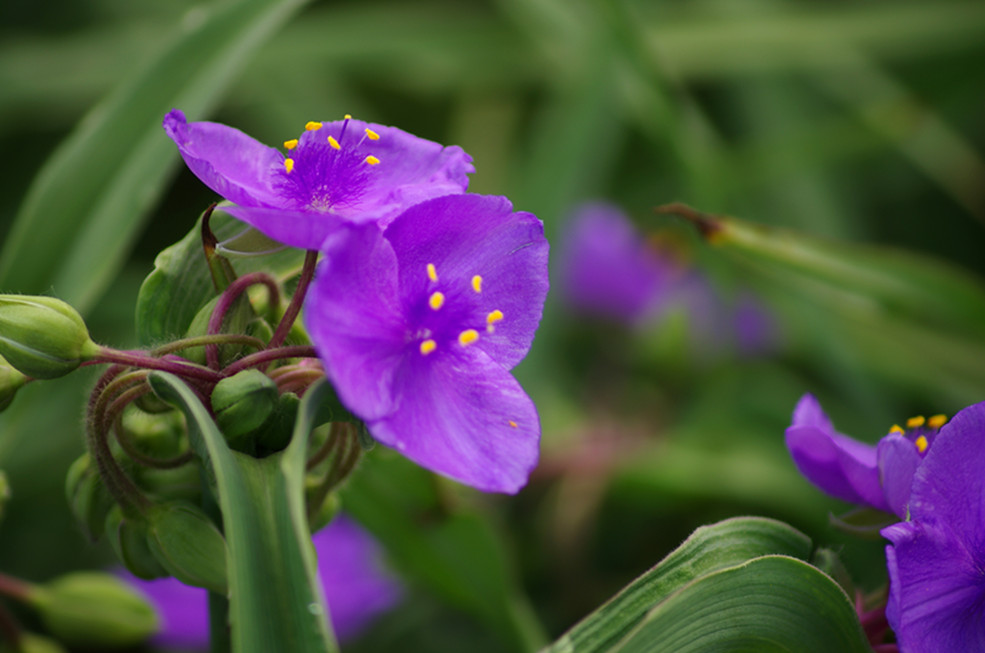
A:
936, 559
419, 326
334, 172
879, 476
357, 589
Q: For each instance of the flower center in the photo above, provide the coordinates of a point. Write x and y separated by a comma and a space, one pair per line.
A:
329, 166
452, 313
921, 431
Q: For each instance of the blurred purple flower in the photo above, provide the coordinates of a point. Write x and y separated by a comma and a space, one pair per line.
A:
357, 589
754, 326
336, 172
419, 326
936, 559
607, 269
879, 476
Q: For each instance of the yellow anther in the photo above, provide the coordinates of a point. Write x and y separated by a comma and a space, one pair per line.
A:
289, 164
921, 443
915, 422
467, 337
373, 136
897, 429
477, 283
312, 126
432, 272
436, 300
291, 144
937, 421
428, 346
372, 160
348, 117
495, 316
334, 143
512, 423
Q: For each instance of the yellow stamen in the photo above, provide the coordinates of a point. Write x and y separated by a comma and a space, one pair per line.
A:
495, 316
348, 117
289, 164
334, 143
291, 144
915, 422
937, 421
477, 283
897, 429
512, 423
428, 346
432, 272
373, 136
372, 160
312, 126
467, 337
921, 443
436, 301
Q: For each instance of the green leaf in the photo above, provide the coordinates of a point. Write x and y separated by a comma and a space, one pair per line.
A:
87, 205
771, 603
181, 285
275, 601
458, 557
708, 549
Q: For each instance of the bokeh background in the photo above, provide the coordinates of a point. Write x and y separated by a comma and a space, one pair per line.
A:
858, 122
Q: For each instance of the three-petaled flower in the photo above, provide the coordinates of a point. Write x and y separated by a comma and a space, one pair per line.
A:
420, 325
334, 173
879, 476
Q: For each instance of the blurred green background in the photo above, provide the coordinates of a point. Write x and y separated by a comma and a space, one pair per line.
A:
859, 122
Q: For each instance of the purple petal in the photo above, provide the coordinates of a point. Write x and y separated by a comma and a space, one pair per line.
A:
755, 326
467, 235
838, 465
357, 588
937, 596
354, 317
950, 485
898, 461
183, 610
607, 269
304, 229
235, 166
464, 416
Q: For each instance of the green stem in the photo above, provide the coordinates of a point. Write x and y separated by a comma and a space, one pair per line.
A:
214, 339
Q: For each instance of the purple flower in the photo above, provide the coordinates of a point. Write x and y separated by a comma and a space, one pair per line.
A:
357, 589
608, 270
419, 326
877, 476
336, 172
937, 558
754, 325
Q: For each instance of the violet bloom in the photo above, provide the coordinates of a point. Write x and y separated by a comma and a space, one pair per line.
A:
419, 326
937, 558
335, 172
357, 589
607, 269
879, 476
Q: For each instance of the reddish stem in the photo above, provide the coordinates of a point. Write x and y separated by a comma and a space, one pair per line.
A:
141, 360
230, 295
15, 588
294, 308
261, 357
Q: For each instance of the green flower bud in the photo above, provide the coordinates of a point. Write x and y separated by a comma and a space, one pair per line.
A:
276, 432
43, 337
186, 543
158, 435
128, 537
10, 382
94, 610
326, 511
31, 643
176, 484
88, 498
242, 403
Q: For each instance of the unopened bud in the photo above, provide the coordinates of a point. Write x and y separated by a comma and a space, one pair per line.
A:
88, 498
128, 537
242, 403
43, 337
186, 543
10, 382
94, 610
